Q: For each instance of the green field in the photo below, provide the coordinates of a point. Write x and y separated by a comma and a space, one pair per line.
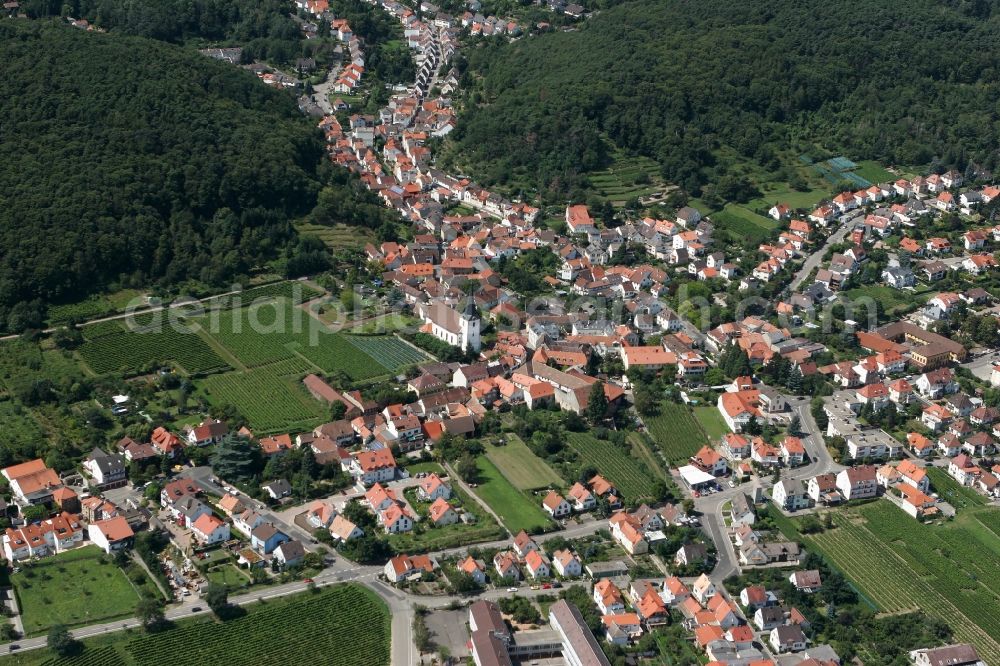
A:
517, 510
276, 331
743, 222
629, 475
775, 193
339, 236
271, 397
73, 588
344, 625
892, 300
520, 465
873, 172
947, 570
677, 432
951, 491
711, 421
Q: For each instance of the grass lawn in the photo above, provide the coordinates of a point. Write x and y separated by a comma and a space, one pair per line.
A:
520, 465
429, 466
427, 538
783, 193
343, 625
873, 172
230, 576
676, 430
743, 222
632, 477
711, 421
73, 588
517, 510
951, 491
948, 569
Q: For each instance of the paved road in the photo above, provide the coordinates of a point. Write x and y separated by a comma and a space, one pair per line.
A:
710, 506
814, 259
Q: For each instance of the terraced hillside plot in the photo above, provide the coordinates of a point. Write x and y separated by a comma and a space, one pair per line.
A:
520, 465
677, 431
74, 588
948, 571
390, 352
516, 510
271, 397
631, 477
626, 178
136, 352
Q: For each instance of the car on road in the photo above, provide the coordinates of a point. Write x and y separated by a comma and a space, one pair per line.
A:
307, 580
547, 586
14, 646
196, 609
512, 589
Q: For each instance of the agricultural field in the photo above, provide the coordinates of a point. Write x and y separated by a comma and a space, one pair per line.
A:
271, 397
631, 477
676, 430
276, 331
343, 625
520, 465
947, 570
391, 353
517, 510
137, 352
74, 588
951, 491
95, 306
294, 290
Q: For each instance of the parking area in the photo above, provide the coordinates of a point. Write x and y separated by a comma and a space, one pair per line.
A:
448, 629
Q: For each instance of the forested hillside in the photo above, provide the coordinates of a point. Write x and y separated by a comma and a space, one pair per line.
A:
262, 27
127, 161
901, 81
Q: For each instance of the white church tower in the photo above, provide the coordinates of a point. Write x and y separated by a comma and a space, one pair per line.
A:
469, 322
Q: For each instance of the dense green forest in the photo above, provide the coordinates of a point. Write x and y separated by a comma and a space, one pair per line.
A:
263, 28
127, 161
699, 85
